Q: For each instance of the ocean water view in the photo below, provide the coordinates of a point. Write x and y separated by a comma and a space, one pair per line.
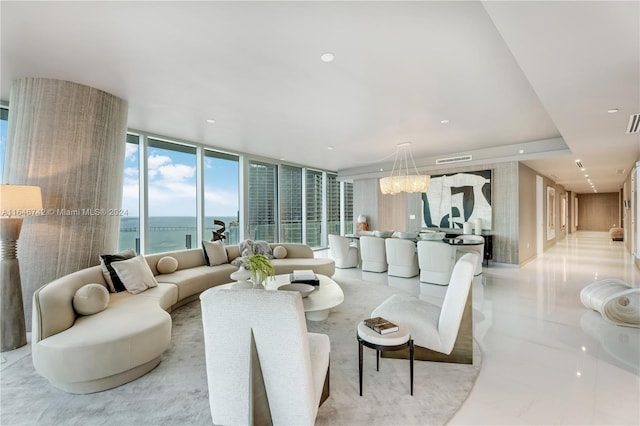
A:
168, 233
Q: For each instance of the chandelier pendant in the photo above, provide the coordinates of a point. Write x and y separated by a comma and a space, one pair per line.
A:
401, 180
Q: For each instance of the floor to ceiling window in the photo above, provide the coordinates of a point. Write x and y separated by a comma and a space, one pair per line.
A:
347, 209
284, 203
171, 196
313, 208
221, 195
130, 222
290, 201
262, 201
332, 205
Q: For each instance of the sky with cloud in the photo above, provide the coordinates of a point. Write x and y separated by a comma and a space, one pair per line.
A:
172, 184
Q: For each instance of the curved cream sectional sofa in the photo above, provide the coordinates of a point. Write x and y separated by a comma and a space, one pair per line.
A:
83, 354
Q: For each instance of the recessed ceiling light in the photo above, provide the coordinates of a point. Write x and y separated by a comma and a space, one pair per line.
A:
521, 151
613, 110
330, 147
281, 158
586, 175
327, 57
583, 169
211, 120
444, 121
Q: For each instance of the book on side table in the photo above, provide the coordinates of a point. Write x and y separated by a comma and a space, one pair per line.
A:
380, 325
305, 276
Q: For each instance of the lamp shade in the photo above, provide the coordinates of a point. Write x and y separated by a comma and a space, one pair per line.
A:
362, 219
20, 200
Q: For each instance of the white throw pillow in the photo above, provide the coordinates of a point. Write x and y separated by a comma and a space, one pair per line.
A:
280, 252
167, 265
91, 299
135, 274
107, 271
215, 252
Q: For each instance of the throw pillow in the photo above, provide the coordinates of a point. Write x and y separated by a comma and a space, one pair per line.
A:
246, 248
167, 265
238, 261
135, 274
215, 253
280, 252
263, 248
114, 283
91, 299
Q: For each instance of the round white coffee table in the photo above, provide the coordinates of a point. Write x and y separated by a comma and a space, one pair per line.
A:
318, 304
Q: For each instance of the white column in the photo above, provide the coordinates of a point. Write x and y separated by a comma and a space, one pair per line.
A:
69, 139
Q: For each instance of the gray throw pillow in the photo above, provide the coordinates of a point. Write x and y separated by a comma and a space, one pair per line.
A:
263, 248
246, 248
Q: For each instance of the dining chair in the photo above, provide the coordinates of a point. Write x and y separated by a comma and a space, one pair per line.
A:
401, 258
344, 254
372, 251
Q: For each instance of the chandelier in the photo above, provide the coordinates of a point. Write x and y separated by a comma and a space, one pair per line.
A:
400, 179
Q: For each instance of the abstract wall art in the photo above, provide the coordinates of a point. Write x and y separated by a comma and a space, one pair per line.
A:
453, 199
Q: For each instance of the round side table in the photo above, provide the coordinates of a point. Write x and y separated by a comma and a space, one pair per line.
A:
394, 341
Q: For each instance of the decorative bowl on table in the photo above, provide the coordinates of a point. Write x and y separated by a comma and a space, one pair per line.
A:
432, 235
303, 289
407, 235
382, 234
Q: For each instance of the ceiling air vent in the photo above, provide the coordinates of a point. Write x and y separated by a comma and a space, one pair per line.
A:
634, 124
454, 159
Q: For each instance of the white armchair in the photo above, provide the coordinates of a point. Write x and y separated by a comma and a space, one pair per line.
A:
477, 249
436, 260
433, 327
262, 364
345, 255
401, 257
373, 255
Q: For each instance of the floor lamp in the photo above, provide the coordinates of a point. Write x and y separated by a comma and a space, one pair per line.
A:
16, 201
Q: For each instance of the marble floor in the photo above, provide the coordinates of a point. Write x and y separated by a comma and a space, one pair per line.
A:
546, 358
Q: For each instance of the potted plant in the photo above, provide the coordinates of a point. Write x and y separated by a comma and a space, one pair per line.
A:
260, 266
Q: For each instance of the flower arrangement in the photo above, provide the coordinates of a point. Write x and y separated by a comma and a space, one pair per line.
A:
260, 267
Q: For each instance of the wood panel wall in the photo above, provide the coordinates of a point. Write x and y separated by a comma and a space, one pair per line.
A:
598, 212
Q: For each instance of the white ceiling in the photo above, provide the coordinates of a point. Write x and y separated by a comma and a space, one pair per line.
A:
504, 74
